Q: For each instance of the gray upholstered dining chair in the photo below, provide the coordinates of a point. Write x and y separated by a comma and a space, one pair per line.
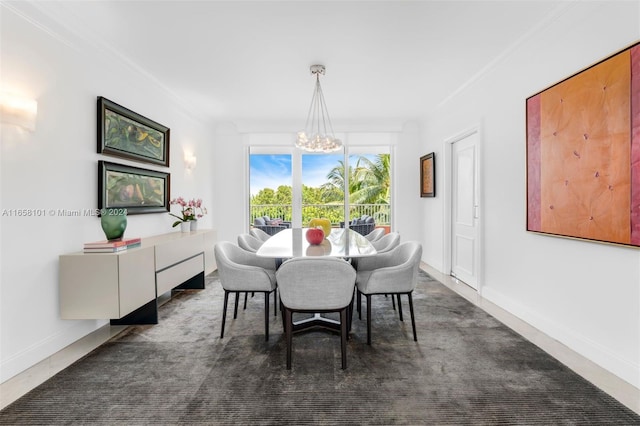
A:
395, 273
316, 285
243, 271
259, 234
249, 242
387, 243
375, 235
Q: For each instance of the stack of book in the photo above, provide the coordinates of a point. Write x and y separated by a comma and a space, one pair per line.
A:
111, 246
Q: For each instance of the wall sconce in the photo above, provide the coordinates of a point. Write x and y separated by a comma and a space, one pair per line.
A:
18, 110
190, 162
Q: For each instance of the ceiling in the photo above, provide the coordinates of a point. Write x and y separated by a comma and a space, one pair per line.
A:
248, 62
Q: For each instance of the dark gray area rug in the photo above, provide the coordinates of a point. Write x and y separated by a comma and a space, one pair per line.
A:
466, 369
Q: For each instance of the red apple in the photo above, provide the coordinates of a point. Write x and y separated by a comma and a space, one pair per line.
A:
315, 236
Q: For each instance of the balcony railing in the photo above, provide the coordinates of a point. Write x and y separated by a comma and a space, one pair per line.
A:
334, 212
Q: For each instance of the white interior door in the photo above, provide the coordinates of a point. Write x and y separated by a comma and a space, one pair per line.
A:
465, 252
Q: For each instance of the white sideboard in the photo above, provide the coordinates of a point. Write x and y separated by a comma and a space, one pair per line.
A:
125, 286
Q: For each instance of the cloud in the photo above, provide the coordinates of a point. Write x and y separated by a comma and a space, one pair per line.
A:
269, 171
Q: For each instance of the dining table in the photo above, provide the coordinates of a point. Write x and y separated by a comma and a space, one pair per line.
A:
292, 243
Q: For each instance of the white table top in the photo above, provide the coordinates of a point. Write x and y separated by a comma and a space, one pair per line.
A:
342, 242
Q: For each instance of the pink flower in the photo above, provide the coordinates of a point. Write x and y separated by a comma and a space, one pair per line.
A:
191, 210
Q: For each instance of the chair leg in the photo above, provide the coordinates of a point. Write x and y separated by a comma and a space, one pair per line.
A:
413, 319
350, 316
235, 307
359, 302
266, 316
245, 299
224, 312
284, 324
343, 337
275, 302
393, 301
399, 307
288, 321
368, 296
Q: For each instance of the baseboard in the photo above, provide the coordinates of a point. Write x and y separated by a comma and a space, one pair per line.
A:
620, 389
23, 382
21, 361
593, 351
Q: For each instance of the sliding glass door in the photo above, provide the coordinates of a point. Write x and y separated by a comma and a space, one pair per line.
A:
270, 187
293, 186
322, 187
369, 185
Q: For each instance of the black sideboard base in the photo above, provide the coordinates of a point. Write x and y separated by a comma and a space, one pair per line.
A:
194, 283
145, 314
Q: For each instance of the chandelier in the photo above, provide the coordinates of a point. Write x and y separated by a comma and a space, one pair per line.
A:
317, 135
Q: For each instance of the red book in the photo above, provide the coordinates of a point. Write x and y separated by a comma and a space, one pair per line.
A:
113, 244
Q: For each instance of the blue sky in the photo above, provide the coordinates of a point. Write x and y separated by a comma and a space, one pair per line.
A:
273, 170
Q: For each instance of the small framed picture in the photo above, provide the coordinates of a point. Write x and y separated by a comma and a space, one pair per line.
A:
135, 189
124, 133
428, 175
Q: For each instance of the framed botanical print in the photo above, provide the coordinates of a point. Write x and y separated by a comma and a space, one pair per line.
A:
127, 134
132, 188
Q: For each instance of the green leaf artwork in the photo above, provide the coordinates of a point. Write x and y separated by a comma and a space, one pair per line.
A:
129, 190
124, 134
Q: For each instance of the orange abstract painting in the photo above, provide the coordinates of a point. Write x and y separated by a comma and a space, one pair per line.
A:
583, 155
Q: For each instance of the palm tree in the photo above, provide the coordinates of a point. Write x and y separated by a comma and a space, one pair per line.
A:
374, 180
333, 190
369, 183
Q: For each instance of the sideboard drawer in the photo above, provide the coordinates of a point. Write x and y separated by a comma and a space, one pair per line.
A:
177, 274
176, 250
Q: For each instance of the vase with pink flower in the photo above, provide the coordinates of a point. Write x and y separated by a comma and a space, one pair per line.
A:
190, 212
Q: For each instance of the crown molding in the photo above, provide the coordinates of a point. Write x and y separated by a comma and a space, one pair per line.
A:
558, 11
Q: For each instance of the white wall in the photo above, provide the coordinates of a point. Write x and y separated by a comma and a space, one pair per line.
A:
55, 167
584, 294
231, 185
